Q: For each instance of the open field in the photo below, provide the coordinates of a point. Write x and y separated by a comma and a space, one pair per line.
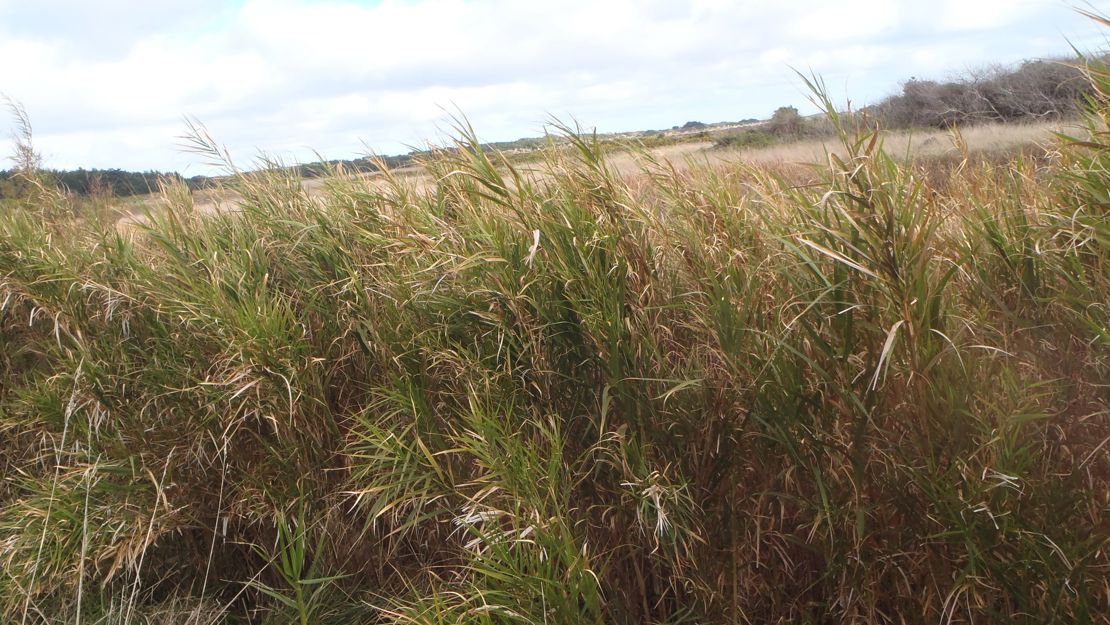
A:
688, 386
985, 140
989, 139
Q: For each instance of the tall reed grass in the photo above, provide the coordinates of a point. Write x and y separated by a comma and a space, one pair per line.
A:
732, 394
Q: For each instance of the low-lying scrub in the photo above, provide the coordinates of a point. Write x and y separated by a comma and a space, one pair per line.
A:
737, 393
1041, 89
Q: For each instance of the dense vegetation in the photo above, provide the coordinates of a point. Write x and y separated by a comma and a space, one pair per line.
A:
727, 395
1034, 90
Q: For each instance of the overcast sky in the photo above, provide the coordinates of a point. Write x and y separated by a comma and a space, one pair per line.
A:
107, 83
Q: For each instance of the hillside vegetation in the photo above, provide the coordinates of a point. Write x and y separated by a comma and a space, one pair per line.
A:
871, 391
1038, 89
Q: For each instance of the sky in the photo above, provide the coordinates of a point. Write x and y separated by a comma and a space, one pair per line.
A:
110, 83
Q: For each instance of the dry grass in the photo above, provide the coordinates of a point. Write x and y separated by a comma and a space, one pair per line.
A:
998, 140
988, 139
737, 392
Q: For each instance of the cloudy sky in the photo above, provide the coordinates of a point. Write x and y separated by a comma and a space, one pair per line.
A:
108, 83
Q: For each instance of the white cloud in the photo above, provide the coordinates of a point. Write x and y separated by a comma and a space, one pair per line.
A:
964, 15
106, 82
849, 20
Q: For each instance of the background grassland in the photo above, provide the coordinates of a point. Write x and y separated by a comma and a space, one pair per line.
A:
742, 392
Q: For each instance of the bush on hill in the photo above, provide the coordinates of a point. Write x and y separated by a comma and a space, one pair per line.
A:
1033, 90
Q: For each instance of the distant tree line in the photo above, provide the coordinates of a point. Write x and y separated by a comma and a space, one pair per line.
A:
1041, 89
1033, 90
120, 183
357, 165
110, 182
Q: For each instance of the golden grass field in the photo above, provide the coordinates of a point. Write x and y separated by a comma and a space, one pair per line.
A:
996, 139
